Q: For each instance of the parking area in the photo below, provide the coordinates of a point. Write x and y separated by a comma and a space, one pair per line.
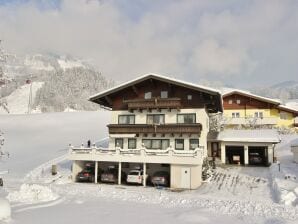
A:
149, 174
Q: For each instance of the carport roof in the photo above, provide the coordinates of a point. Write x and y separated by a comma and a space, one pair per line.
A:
260, 135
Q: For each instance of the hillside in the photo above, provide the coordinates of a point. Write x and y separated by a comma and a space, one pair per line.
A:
67, 84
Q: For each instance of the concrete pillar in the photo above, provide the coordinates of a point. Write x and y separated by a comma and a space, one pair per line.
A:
119, 173
144, 174
270, 153
96, 171
223, 152
246, 154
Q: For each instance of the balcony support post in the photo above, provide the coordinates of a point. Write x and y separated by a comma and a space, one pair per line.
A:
96, 172
144, 174
119, 173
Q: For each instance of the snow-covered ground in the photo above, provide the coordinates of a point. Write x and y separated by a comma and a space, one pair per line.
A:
17, 102
232, 195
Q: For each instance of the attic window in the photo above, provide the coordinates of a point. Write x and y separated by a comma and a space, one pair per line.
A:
148, 95
164, 94
189, 97
230, 101
238, 101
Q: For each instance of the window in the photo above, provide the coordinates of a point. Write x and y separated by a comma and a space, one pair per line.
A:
238, 101
236, 115
283, 115
186, 118
164, 94
193, 144
119, 142
259, 114
132, 143
189, 97
156, 143
155, 119
126, 119
179, 144
148, 95
230, 101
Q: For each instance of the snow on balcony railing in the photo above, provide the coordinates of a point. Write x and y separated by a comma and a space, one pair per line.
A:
141, 152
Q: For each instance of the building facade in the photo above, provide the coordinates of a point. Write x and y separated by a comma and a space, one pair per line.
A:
245, 109
158, 123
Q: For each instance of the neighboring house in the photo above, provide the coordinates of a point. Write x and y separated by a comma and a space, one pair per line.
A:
243, 147
245, 109
158, 123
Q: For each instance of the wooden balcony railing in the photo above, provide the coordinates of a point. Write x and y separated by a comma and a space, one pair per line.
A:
154, 103
155, 129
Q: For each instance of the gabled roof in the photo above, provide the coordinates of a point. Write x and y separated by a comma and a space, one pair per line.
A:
229, 92
158, 77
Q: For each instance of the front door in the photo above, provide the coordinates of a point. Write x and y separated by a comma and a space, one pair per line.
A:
185, 178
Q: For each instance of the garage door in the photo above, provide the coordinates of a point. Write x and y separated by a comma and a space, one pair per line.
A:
257, 155
235, 154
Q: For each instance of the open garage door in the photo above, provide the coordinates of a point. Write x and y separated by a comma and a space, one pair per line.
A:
235, 154
258, 155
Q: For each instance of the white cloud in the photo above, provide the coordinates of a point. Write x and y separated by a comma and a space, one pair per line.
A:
192, 39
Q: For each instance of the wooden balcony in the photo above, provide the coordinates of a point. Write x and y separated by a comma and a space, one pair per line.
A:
155, 129
154, 103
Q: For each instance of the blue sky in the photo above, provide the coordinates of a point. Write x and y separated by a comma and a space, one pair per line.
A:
239, 43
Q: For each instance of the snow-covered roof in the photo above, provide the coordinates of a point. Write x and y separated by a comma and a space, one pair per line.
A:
228, 91
96, 98
288, 108
158, 77
257, 135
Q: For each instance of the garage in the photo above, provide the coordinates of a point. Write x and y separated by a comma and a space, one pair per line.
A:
235, 155
258, 155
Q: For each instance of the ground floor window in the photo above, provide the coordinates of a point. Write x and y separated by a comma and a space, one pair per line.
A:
132, 143
156, 143
119, 142
193, 144
179, 144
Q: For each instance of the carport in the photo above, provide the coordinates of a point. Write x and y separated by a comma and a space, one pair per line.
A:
247, 147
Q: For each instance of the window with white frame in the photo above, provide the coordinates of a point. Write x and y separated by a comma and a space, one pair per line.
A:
238, 101
193, 144
259, 114
235, 115
126, 119
148, 95
230, 101
155, 119
164, 94
186, 118
132, 143
156, 143
189, 97
119, 142
179, 144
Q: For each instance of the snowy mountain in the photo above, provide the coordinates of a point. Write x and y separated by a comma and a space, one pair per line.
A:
66, 84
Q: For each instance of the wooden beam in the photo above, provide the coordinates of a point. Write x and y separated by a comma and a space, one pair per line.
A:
108, 99
135, 89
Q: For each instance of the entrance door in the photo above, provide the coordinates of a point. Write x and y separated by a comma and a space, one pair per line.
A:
185, 178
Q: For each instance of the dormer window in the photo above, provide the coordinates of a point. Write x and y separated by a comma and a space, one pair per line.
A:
148, 95
164, 94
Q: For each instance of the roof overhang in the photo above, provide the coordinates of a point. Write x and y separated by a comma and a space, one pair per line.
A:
97, 98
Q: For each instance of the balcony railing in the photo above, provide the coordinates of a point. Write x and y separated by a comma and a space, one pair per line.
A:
155, 129
154, 103
250, 121
169, 155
